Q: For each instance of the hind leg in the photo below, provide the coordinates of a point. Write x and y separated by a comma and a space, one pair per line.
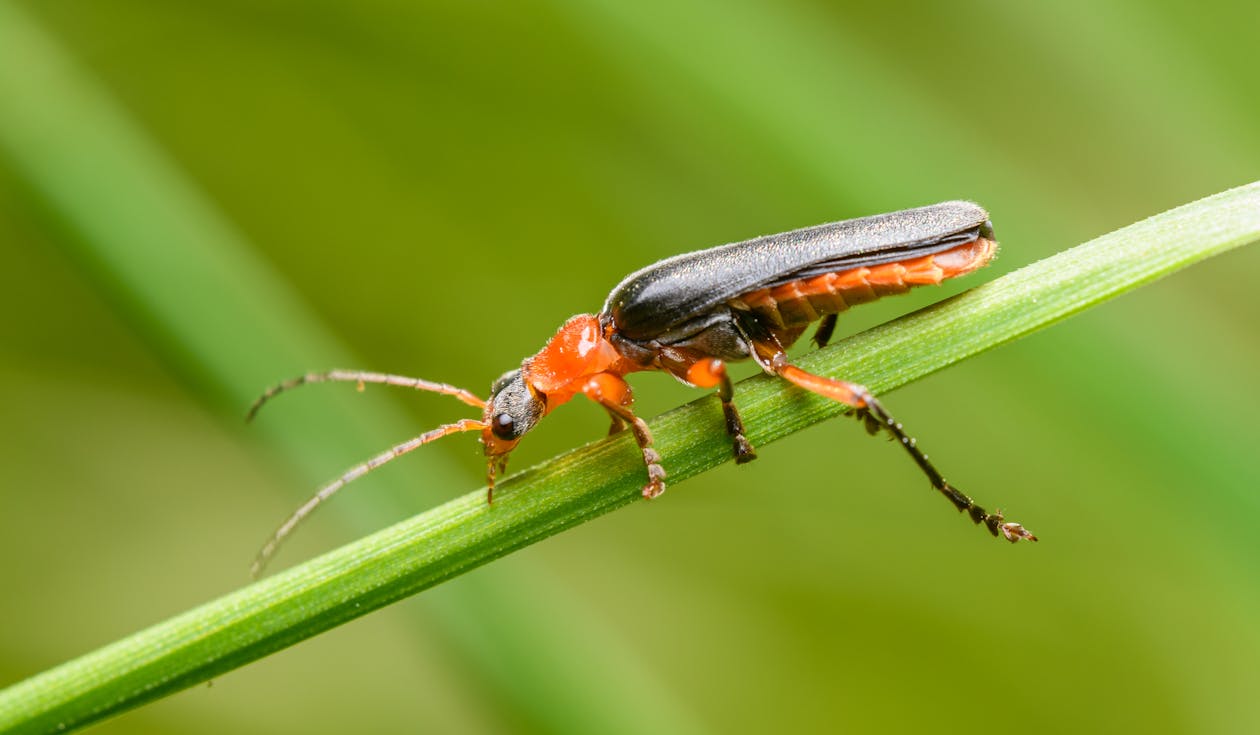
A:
773, 358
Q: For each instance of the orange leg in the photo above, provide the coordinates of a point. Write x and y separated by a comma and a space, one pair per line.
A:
614, 395
710, 372
772, 356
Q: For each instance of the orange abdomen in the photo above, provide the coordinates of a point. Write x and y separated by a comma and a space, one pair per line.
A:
797, 303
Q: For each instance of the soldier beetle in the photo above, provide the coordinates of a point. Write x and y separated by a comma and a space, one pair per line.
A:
691, 314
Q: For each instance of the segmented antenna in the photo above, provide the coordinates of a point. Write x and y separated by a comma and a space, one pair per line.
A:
269, 549
361, 377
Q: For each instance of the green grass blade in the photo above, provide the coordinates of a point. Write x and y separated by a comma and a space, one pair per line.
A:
180, 269
583, 484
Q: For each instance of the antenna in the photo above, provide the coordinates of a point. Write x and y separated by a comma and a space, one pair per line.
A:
361, 377
269, 549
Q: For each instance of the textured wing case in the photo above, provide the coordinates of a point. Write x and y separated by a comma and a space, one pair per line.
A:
680, 288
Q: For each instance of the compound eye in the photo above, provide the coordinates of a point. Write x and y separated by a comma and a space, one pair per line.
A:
503, 426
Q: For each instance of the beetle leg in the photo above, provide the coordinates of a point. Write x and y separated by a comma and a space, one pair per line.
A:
614, 395
826, 328
771, 355
617, 423
710, 372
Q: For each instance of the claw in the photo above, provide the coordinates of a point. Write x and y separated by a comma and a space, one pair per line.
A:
1014, 532
656, 474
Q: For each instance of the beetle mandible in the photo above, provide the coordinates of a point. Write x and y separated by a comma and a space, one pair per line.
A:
691, 314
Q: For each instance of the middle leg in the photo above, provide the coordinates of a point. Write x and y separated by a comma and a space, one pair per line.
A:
710, 372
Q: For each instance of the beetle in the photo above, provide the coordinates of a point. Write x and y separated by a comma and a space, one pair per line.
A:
691, 314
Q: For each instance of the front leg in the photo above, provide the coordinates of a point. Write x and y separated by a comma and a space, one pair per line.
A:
614, 394
617, 423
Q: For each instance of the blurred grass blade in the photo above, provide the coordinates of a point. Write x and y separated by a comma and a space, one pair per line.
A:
189, 279
800, 62
580, 485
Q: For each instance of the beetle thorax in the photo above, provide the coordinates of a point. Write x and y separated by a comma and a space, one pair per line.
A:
577, 351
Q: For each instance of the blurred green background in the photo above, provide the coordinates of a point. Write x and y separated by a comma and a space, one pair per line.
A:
199, 199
